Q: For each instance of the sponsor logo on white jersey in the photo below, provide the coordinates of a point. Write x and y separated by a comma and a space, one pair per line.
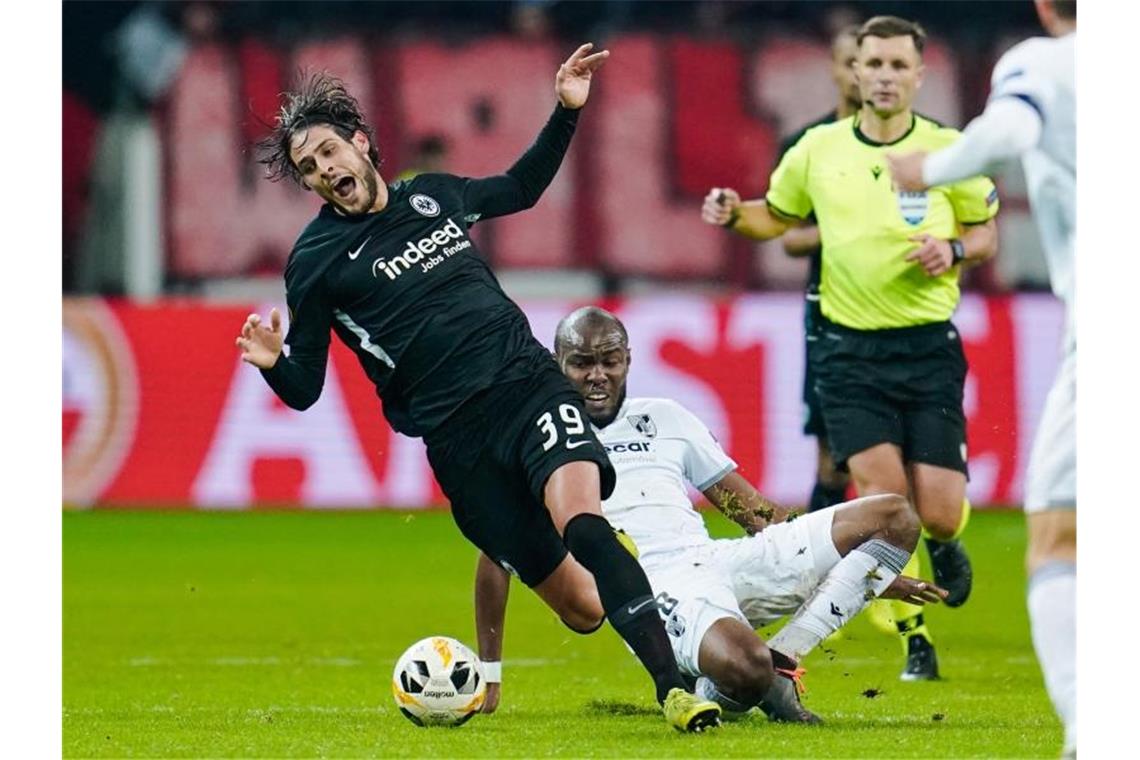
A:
428, 252
643, 424
623, 448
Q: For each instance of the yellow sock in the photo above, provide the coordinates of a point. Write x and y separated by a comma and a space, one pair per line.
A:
967, 508
907, 618
624, 539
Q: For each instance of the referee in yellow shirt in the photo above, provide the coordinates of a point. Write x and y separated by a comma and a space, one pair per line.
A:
891, 367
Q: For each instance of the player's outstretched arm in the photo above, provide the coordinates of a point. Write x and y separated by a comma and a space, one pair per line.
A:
743, 504
524, 183
1006, 129
261, 345
572, 83
752, 219
296, 379
492, 585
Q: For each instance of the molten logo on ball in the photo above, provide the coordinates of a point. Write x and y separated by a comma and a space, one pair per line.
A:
438, 682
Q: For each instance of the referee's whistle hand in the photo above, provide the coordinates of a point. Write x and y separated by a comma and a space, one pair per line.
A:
719, 205
933, 255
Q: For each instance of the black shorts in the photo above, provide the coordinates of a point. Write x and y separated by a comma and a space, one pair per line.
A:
814, 423
902, 386
492, 459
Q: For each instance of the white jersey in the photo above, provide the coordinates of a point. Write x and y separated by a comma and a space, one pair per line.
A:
657, 446
1041, 73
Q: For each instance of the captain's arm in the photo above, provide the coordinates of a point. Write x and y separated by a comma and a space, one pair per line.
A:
743, 504
492, 585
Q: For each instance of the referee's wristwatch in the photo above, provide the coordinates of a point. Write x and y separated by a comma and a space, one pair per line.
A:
957, 251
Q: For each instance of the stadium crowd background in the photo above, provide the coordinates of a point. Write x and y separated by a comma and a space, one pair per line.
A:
170, 97
166, 218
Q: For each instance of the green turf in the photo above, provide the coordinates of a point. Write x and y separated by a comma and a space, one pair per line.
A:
271, 635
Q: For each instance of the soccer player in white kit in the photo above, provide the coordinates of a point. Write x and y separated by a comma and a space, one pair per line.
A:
1031, 114
823, 567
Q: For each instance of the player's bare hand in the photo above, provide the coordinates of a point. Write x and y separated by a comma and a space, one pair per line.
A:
914, 591
932, 254
491, 700
261, 345
572, 84
906, 170
720, 205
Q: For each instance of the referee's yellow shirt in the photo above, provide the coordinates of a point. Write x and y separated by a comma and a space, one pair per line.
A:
840, 175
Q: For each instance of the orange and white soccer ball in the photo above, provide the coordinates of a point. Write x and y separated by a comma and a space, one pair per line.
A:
438, 682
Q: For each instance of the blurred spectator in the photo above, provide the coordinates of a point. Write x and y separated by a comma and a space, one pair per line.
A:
429, 154
529, 20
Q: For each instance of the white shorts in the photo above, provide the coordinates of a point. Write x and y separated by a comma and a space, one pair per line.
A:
755, 579
1051, 479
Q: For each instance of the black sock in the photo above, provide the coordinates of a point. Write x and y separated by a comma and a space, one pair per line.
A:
826, 496
626, 597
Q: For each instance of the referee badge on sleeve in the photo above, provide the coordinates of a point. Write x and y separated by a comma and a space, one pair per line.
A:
913, 206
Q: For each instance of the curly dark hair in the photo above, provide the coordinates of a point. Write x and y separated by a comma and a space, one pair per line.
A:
321, 98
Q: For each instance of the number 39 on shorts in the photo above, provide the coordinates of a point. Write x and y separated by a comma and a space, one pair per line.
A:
571, 424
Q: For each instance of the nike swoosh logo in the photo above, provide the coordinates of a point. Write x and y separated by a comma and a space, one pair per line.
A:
576, 444
633, 610
353, 254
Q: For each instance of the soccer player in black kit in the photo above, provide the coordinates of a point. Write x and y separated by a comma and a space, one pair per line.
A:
392, 271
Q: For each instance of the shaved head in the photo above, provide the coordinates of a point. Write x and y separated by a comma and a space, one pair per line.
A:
590, 322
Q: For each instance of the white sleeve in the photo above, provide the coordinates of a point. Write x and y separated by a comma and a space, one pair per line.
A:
1006, 129
1011, 124
705, 461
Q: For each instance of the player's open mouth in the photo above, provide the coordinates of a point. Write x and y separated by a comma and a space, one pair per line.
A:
597, 398
344, 186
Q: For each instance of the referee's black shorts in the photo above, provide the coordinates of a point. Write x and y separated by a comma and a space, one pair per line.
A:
902, 386
492, 459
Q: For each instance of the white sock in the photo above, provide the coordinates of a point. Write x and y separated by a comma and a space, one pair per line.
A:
1053, 618
706, 689
854, 581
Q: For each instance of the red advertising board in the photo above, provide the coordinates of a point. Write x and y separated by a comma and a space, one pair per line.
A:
159, 412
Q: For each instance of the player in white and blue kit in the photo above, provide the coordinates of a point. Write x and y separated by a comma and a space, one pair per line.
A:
1031, 114
822, 568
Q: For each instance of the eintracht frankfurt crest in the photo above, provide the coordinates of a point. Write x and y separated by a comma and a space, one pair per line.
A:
643, 424
424, 204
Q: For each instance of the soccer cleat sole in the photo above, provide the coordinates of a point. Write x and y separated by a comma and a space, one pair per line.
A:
686, 712
704, 719
910, 677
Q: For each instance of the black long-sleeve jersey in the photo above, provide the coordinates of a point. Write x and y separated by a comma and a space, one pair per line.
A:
403, 288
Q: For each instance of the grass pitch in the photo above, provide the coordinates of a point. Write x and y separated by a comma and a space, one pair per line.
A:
275, 635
